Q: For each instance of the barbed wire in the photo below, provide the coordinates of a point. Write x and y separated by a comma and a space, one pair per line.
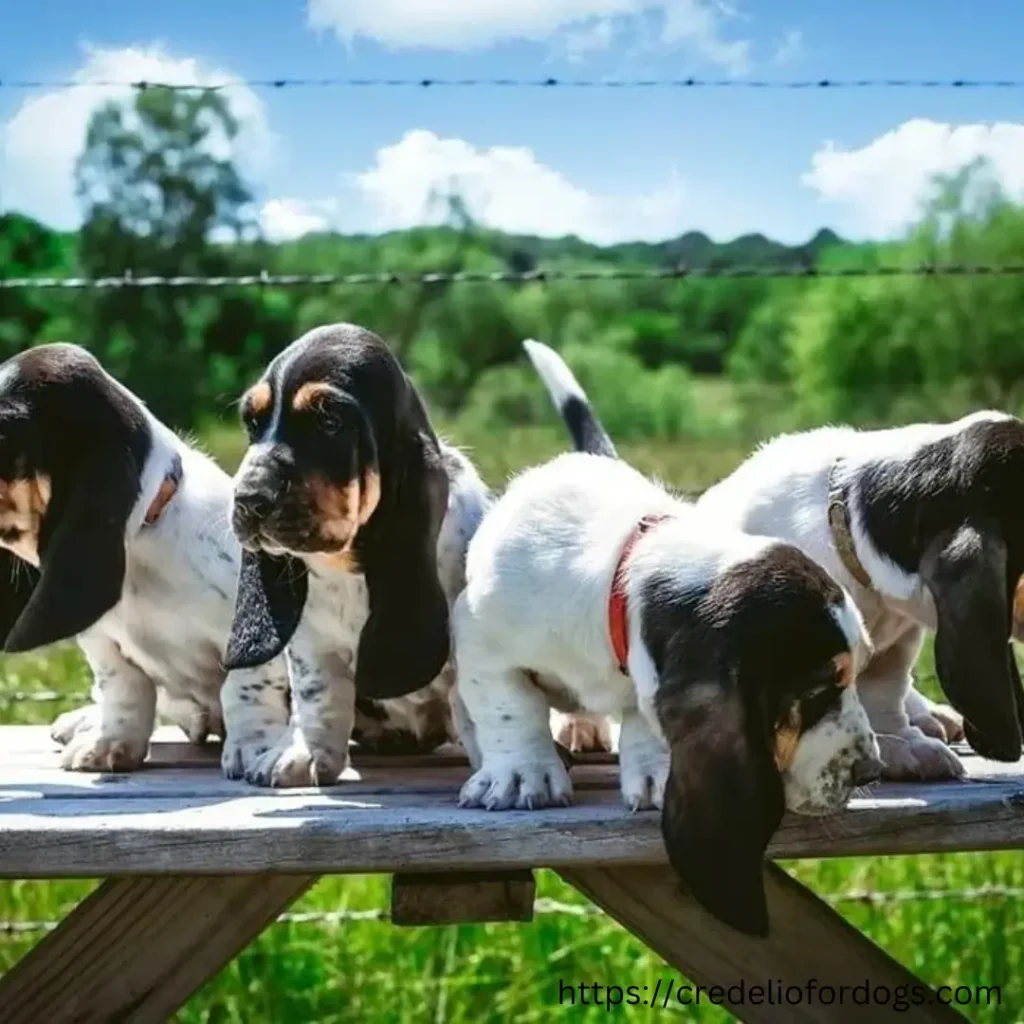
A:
549, 82
677, 272
546, 906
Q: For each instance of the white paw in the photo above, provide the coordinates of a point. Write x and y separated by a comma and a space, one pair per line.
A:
240, 754
912, 756
642, 781
293, 761
90, 751
582, 734
527, 785
71, 722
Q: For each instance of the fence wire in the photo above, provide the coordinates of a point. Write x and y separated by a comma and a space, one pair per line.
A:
678, 272
486, 82
545, 906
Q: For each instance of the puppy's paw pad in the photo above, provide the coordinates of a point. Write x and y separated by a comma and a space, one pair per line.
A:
67, 725
88, 752
584, 734
913, 757
643, 785
526, 786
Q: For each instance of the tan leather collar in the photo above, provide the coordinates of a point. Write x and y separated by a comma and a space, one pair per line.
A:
168, 488
842, 533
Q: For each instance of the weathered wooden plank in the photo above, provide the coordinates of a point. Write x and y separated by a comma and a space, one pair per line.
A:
470, 897
136, 949
337, 831
808, 941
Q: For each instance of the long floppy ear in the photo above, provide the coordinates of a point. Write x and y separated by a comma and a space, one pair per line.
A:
82, 553
406, 642
17, 581
723, 800
966, 572
268, 605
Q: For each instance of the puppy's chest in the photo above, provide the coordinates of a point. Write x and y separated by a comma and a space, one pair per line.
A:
336, 610
172, 622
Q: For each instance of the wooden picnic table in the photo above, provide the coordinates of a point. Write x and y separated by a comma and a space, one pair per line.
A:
196, 866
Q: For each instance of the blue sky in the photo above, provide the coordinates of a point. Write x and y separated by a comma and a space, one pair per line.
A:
607, 165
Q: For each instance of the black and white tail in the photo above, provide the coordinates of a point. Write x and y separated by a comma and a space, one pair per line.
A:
588, 435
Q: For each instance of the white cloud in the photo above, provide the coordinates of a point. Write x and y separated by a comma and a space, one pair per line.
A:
504, 187
41, 142
477, 24
790, 48
285, 219
882, 185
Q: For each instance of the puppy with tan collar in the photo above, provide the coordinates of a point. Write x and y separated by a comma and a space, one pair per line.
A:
114, 531
922, 525
728, 659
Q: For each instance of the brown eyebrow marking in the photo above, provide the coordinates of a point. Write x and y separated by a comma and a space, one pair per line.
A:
307, 395
257, 399
844, 669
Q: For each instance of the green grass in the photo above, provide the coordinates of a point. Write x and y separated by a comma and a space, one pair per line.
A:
365, 971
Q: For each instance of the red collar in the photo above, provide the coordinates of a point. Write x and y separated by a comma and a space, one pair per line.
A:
168, 488
618, 620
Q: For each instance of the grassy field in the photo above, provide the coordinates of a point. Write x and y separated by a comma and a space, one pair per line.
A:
362, 971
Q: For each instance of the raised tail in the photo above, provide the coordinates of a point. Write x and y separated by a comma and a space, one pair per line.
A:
588, 435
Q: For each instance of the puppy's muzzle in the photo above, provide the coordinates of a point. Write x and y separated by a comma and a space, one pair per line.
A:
255, 500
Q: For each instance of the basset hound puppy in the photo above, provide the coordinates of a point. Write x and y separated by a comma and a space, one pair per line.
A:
922, 525
354, 520
728, 659
114, 532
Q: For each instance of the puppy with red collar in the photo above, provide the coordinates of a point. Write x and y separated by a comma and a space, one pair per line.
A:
728, 659
921, 524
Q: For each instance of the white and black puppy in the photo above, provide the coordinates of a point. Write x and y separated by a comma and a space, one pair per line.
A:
115, 531
354, 521
922, 525
728, 659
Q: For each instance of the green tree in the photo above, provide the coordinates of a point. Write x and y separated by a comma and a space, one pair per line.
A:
161, 195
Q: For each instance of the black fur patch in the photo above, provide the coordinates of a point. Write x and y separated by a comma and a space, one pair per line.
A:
63, 417
585, 428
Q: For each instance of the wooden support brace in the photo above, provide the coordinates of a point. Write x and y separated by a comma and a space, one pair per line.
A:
137, 948
808, 941
470, 897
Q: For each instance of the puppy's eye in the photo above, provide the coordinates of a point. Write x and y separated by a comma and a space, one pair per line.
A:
818, 702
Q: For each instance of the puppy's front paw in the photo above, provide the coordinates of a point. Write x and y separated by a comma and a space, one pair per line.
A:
241, 754
526, 785
582, 733
70, 723
89, 751
295, 761
642, 781
912, 756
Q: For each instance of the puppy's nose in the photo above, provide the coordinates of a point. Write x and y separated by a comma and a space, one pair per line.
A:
254, 500
867, 770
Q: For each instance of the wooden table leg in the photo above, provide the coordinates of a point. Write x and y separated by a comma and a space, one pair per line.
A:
808, 940
137, 948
